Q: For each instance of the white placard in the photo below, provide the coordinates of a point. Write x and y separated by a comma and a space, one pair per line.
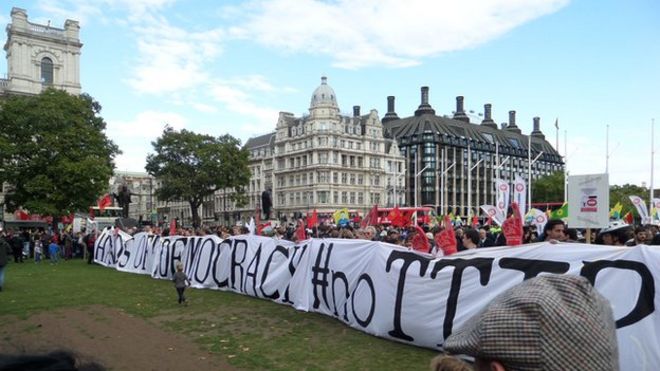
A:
588, 201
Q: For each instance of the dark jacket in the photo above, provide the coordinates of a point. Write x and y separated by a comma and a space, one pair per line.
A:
5, 250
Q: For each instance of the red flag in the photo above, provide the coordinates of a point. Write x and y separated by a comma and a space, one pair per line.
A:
513, 227
300, 232
394, 214
104, 202
312, 220
446, 239
173, 227
475, 221
419, 240
371, 218
628, 218
260, 227
407, 218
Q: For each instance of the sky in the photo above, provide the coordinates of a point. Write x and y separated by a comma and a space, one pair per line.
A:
218, 67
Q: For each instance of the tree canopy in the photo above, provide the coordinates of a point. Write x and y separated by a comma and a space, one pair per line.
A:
549, 188
191, 166
621, 193
54, 152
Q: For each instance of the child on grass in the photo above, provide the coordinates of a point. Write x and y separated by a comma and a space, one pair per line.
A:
37, 250
180, 282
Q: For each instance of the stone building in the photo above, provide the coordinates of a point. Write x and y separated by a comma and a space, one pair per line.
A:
459, 159
41, 56
324, 160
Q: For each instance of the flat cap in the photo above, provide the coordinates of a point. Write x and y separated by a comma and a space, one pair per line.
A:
550, 322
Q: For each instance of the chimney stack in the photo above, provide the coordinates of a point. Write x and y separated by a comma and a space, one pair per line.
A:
391, 113
460, 112
512, 123
537, 133
425, 107
488, 119
356, 111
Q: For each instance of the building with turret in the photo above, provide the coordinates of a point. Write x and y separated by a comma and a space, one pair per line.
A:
324, 160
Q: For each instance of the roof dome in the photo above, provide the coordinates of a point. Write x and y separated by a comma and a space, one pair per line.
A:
323, 96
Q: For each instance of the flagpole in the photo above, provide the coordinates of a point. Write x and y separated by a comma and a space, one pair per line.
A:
652, 156
469, 167
529, 172
557, 134
607, 149
565, 168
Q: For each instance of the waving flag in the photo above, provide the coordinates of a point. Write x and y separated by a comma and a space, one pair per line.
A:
502, 191
312, 220
104, 202
561, 213
640, 205
615, 212
493, 213
371, 218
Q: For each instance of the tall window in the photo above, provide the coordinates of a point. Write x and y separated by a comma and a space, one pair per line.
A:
46, 71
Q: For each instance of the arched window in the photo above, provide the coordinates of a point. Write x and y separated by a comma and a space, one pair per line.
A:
46, 71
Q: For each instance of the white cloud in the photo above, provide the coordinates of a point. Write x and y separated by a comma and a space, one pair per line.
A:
172, 59
237, 98
383, 32
134, 137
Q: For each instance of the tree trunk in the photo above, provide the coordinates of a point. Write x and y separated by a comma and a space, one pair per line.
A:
194, 210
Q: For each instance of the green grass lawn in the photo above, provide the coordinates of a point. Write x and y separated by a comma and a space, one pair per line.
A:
230, 325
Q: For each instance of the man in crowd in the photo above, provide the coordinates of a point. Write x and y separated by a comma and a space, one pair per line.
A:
470, 239
550, 322
554, 231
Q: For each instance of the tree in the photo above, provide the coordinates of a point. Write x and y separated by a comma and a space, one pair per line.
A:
620, 194
549, 188
54, 153
191, 166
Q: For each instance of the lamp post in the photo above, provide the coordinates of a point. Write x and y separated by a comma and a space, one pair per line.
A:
530, 162
443, 181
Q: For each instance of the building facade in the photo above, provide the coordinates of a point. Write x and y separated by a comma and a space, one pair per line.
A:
41, 56
458, 160
324, 160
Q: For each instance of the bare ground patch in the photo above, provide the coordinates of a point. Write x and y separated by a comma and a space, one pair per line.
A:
111, 337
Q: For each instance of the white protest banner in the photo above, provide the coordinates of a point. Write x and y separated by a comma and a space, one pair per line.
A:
413, 298
640, 205
520, 193
502, 190
493, 213
588, 201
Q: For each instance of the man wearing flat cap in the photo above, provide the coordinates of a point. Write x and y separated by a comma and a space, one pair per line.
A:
550, 322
